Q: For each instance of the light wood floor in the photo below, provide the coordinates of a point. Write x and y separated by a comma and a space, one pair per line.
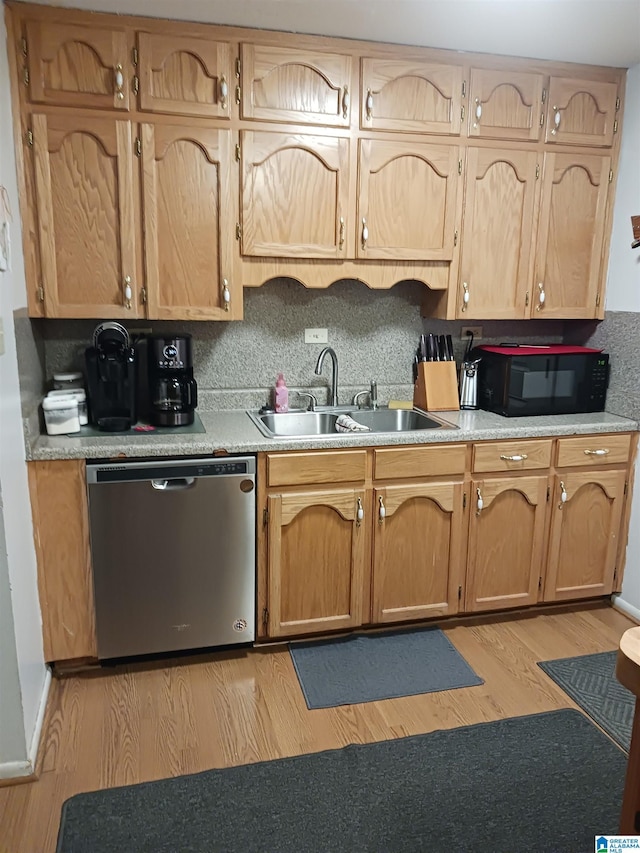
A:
137, 723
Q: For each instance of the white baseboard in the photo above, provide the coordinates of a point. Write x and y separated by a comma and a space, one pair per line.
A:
17, 769
629, 609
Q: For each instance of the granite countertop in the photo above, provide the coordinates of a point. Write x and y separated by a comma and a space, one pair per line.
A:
234, 432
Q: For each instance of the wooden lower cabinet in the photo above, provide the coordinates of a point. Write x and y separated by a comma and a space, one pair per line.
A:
417, 551
506, 542
316, 557
61, 532
585, 526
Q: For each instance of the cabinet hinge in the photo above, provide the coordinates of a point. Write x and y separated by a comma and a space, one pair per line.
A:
143, 295
238, 94
238, 152
615, 126
464, 88
25, 76
526, 299
617, 102
265, 517
544, 96
265, 618
238, 231
459, 167
548, 493
541, 119
238, 67
25, 50
462, 113
136, 84
540, 582
29, 136
597, 300
537, 171
615, 575
459, 593
464, 500
41, 294
626, 486
134, 57
610, 175
455, 237
138, 147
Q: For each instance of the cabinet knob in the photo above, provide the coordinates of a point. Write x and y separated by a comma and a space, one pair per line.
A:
127, 292
479, 502
541, 296
465, 296
365, 233
369, 104
478, 112
118, 78
556, 121
359, 513
382, 511
341, 237
346, 100
224, 92
226, 294
601, 452
517, 457
563, 495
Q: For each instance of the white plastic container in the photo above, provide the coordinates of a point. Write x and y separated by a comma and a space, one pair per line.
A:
61, 415
66, 381
80, 395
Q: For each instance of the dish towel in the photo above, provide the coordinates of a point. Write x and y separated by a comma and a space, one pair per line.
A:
346, 423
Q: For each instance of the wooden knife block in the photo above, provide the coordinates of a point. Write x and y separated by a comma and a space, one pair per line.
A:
436, 387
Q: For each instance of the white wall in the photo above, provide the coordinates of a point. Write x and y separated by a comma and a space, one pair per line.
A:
623, 293
16, 510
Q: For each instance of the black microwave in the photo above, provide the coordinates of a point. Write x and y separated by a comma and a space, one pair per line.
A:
516, 381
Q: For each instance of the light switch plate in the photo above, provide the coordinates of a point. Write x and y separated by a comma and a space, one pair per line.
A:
316, 336
1, 336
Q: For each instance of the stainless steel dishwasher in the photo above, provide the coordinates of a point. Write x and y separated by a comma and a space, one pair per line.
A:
174, 554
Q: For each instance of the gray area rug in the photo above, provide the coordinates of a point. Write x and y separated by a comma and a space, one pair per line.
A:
544, 782
591, 682
368, 667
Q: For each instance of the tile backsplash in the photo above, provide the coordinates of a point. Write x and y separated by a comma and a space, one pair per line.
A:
374, 334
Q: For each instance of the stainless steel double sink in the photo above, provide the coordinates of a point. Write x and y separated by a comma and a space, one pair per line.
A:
305, 424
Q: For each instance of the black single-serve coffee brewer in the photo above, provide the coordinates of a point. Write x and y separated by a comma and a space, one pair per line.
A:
173, 393
111, 378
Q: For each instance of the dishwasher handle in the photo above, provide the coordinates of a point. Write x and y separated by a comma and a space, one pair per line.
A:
175, 484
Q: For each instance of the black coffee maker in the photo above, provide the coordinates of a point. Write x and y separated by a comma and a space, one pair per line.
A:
173, 393
111, 378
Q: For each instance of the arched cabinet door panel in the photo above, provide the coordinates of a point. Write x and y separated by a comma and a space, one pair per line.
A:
506, 539
185, 76
581, 112
505, 105
295, 86
78, 66
316, 552
85, 201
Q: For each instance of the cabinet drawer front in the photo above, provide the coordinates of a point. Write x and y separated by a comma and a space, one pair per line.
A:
315, 467
390, 462
593, 450
512, 455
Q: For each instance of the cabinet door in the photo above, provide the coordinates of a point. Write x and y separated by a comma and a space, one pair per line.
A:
581, 112
506, 539
295, 194
587, 514
400, 94
85, 206
496, 235
188, 223
417, 551
185, 75
295, 86
316, 561
78, 66
505, 105
571, 235
407, 200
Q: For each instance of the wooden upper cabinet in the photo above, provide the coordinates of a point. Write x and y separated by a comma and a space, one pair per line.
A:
295, 194
505, 105
495, 270
316, 557
85, 208
407, 200
506, 540
571, 235
417, 551
405, 95
581, 112
295, 86
587, 511
189, 215
79, 66
185, 75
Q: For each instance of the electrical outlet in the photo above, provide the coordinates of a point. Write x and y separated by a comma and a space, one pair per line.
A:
477, 332
316, 336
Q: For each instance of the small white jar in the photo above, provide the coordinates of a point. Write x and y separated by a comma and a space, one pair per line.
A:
61, 415
66, 381
78, 394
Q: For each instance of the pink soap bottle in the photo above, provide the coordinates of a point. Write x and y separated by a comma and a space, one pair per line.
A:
282, 395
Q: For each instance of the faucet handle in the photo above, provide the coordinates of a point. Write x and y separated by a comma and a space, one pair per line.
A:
356, 397
313, 400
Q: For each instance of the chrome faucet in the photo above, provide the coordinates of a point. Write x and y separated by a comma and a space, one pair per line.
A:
372, 394
334, 372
